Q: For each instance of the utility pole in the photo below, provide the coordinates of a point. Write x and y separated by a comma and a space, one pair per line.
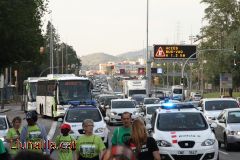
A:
51, 48
66, 55
148, 73
62, 56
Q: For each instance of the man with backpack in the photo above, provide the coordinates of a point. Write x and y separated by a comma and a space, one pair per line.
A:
34, 134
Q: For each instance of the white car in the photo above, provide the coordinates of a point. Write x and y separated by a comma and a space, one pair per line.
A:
118, 106
75, 115
182, 132
212, 107
4, 127
148, 111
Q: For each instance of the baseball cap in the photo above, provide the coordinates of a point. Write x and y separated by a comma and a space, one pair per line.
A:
65, 126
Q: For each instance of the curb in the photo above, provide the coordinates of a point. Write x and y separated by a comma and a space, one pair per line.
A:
4, 110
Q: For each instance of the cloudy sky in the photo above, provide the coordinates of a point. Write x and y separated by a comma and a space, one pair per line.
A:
118, 26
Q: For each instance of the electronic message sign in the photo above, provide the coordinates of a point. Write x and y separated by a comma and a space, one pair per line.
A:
174, 51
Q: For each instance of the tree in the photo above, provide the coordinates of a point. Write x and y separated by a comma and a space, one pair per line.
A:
20, 30
223, 20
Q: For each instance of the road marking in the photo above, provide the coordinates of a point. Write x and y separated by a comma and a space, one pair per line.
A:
223, 152
52, 130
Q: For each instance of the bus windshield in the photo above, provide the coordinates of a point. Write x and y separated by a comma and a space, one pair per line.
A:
32, 92
74, 90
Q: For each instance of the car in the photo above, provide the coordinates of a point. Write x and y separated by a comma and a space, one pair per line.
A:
75, 116
139, 98
182, 132
196, 97
148, 111
194, 103
227, 129
151, 100
117, 107
5, 125
212, 107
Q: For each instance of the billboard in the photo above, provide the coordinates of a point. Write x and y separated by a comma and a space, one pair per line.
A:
174, 51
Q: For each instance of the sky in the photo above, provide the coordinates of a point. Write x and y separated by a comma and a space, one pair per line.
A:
119, 26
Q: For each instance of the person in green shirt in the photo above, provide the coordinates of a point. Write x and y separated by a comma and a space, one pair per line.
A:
122, 134
34, 134
4, 152
89, 146
66, 143
13, 135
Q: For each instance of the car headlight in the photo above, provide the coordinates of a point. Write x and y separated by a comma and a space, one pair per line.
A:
233, 132
113, 113
163, 143
99, 130
208, 142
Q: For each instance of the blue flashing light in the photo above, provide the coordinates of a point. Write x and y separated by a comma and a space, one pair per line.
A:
168, 106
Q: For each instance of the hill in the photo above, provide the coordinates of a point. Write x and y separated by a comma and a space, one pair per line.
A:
97, 58
133, 55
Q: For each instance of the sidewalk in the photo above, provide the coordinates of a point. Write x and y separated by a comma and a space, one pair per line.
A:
10, 106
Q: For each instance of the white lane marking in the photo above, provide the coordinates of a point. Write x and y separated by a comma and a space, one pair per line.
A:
52, 130
223, 152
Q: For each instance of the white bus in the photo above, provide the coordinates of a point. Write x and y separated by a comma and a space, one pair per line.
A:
57, 92
29, 93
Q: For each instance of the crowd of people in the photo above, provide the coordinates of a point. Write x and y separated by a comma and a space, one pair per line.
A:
129, 142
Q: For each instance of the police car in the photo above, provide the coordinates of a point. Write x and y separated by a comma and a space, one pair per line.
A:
75, 115
182, 132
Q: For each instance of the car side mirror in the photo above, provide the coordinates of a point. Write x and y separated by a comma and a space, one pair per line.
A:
213, 125
222, 121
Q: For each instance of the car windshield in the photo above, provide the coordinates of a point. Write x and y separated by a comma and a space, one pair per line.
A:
107, 100
123, 104
78, 115
177, 91
151, 101
132, 92
3, 124
151, 110
234, 117
183, 121
197, 95
220, 105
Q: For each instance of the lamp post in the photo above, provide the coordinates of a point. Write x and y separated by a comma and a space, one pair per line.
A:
148, 67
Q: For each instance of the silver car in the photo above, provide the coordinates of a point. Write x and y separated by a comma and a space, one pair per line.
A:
228, 127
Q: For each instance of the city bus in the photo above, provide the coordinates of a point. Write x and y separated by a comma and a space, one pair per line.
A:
58, 91
29, 93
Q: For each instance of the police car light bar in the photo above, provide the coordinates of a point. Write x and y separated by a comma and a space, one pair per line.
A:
178, 106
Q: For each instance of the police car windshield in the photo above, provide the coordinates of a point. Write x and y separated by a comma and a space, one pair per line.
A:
3, 124
181, 121
220, 105
123, 104
78, 115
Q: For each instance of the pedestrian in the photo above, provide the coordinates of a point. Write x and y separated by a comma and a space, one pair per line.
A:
33, 134
66, 143
119, 152
123, 133
89, 146
13, 135
4, 152
144, 147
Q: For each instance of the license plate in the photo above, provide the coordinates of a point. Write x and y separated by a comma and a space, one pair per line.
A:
192, 152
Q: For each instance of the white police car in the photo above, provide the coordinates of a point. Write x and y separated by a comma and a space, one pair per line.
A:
75, 115
182, 132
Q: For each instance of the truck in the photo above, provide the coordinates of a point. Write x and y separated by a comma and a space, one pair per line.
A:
131, 87
177, 92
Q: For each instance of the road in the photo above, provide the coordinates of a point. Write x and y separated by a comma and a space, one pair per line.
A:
52, 128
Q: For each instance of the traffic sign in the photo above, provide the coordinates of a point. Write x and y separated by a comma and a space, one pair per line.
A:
174, 51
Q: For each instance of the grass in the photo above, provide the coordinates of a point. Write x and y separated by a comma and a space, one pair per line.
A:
217, 95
